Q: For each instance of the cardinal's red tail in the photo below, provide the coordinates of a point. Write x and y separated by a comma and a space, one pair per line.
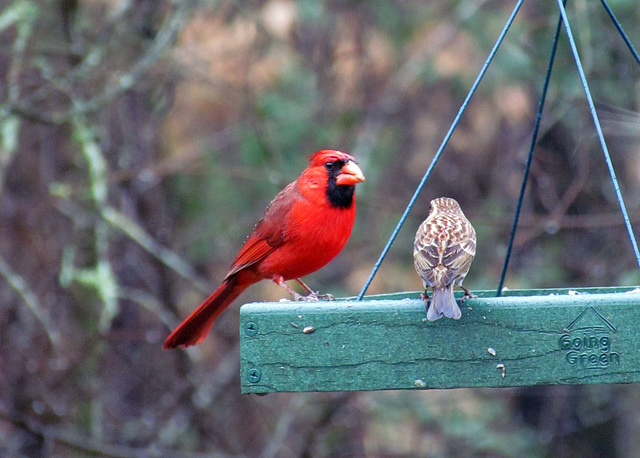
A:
196, 326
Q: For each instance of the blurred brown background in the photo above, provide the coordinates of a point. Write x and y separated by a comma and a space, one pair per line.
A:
140, 140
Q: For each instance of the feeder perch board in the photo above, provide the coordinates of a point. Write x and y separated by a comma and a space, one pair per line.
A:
524, 337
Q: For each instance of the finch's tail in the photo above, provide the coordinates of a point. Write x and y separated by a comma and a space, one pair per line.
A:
443, 303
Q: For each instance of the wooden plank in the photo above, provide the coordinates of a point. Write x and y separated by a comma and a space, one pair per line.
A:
527, 337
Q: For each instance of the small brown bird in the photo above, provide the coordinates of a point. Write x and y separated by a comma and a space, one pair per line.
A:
444, 247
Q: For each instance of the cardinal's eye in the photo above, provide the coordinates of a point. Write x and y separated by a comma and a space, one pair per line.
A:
334, 165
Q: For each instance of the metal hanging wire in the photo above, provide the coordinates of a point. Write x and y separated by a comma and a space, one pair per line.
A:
454, 124
621, 31
596, 122
527, 166
563, 20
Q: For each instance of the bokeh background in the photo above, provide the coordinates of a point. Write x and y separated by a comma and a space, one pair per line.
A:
140, 141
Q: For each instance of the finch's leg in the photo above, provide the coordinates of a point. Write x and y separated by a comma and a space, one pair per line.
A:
467, 294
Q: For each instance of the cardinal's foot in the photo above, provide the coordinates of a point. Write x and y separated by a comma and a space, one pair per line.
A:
313, 296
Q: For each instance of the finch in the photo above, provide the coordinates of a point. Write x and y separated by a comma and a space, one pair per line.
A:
443, 250
305, 226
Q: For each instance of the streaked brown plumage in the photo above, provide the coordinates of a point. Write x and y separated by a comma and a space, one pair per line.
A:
444, 247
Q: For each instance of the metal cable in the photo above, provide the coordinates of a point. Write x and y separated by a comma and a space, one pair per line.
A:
619, 27
527, 166
596, 121
440, 150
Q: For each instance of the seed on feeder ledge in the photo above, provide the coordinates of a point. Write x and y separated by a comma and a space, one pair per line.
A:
308, 330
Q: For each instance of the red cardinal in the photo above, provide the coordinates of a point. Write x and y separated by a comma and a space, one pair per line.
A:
303, 228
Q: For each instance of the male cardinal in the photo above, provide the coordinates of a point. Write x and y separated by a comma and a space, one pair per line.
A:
305, 226
444, 247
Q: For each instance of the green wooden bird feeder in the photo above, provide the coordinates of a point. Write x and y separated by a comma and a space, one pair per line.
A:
524, 337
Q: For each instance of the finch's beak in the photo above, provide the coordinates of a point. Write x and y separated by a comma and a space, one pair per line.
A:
349, 175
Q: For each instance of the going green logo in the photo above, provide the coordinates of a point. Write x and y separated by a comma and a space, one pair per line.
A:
588, 342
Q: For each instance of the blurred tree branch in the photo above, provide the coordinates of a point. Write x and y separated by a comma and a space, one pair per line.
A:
273, 448
51, 436
101, 277
9, 129
30, 299
28, 107
22, 14
168, 257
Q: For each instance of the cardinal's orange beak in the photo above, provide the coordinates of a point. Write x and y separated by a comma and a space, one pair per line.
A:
349, 175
